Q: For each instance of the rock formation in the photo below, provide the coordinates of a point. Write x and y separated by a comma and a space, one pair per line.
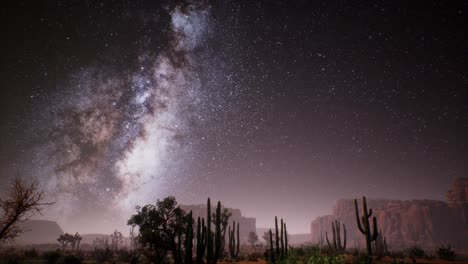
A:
39, 232
426, 223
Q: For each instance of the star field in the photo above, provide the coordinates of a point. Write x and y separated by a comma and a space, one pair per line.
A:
270, 107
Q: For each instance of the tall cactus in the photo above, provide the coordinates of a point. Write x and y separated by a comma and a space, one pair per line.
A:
189, 240
379, 246
209, 242
336, 230
217, 241
272, 253
282, 239
201, 240
285, 241
234, 247
277, 237
370, 236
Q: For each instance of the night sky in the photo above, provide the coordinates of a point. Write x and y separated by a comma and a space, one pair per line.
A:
272, 108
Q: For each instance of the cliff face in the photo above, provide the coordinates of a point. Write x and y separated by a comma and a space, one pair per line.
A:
39, 232
246, 224
425, 223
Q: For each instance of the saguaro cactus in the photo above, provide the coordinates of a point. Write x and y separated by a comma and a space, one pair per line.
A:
189, 240
218, 242
209, 242
379, 246
234, 247
277, 237
201, 240
272, 253
282, 239
365, 226
285, 240
336, 230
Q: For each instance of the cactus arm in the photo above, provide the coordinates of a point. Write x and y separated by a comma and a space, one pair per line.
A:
328, 242
338, 235
358, 220
238, 243
344, 237
285, 240
376, 232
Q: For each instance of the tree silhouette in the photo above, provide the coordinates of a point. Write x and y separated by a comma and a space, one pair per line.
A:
162, 229
23, 200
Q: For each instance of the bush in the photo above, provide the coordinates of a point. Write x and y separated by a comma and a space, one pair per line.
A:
124, 255
31, 253
51, 257
71, 259
102, 255
416, 252
445, 253
11, 259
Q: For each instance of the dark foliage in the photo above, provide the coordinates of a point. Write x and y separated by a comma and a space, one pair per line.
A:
446, 253
51, 257
416, 252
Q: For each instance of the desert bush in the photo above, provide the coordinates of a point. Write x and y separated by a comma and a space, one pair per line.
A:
30, 253
102, 255
51, 257
11, 258
124, 255
446, 253
416, 252
72, 259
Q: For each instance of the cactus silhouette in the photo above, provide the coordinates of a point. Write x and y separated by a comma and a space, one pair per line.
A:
364, 227
201, 240
336, 230
285, 241
233, 245
272, 252
189, 239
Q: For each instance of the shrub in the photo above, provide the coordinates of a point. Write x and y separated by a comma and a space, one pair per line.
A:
124, 255
102, 255
445, 253
416, 252
71, 259
31, 253
51, 257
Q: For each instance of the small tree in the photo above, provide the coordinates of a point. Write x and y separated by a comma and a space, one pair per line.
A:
75, 241
23, 200
253, 238
65, 239
116, 240
162, 229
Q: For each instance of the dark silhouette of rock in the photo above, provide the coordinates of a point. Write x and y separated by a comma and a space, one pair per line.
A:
426, 223
39, 232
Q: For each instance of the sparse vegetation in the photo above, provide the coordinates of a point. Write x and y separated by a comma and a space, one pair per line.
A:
166, 235
446, 253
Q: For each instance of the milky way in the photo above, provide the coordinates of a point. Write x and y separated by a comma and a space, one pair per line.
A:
115, 137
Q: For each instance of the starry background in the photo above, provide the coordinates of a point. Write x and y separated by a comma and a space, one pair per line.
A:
273, 108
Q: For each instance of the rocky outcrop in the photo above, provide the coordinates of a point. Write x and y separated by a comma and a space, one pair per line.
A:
426, 223
246, 224
38, 232
458, 192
